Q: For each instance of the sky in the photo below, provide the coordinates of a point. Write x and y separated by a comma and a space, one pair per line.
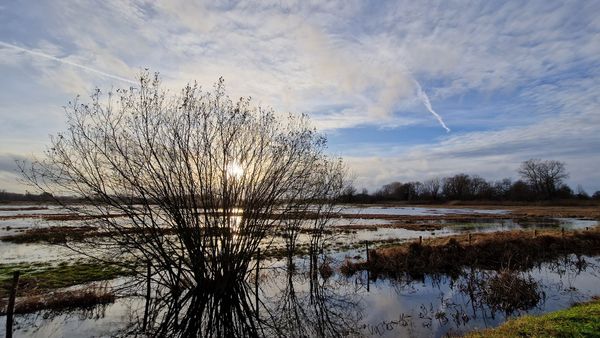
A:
404, 90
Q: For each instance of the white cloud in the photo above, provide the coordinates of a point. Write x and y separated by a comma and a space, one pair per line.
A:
345, 62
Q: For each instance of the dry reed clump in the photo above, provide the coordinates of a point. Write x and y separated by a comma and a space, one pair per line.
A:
60, 300
326, 270
509, 292
494, 251
349, 268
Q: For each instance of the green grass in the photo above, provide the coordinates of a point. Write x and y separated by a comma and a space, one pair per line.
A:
37, 277
582, 320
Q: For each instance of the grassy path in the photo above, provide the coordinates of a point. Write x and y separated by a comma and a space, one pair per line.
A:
582, 320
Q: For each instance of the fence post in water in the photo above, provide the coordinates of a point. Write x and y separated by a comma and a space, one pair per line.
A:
534, 233
420, 240
469, 238
562, 232
368, 272
256, 279
11, 304
148, 290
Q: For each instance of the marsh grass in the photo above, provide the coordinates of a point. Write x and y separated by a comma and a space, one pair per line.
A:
519, 250
510, 292
37, 278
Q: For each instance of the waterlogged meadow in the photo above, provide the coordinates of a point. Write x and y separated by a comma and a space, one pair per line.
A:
348, 289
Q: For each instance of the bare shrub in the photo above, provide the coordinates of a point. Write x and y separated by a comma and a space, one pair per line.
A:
219, 175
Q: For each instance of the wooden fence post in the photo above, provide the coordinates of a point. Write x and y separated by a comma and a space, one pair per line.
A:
256, 280
368, 268
11, 304
148, 290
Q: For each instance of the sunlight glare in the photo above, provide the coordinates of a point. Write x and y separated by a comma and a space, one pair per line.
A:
235, 170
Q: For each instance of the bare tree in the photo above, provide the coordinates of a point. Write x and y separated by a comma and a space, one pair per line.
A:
458, 187
201, 180
432, 187
545, 177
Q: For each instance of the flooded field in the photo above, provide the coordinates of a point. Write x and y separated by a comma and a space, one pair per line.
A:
328, 302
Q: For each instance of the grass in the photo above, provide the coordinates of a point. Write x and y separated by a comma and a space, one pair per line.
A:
581, 320
40, 277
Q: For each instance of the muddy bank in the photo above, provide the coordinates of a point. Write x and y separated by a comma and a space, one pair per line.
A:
518, 250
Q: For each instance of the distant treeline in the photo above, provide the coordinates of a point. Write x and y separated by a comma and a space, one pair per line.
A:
27, 197
540, 180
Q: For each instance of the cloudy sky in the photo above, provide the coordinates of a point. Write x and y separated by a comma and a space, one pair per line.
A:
404, 90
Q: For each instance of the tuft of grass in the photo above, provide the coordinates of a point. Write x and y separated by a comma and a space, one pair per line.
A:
581, 320
326, 270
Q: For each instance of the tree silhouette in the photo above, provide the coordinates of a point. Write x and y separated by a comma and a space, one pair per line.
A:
200, 181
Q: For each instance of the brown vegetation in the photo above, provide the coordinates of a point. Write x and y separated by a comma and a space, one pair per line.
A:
520, 214
494, 251
63, 234
509, 292
59, 234
32, 208
575, 211
59, 300
61, 217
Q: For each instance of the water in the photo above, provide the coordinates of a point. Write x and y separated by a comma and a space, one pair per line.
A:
347, 231
431, 307
419, 211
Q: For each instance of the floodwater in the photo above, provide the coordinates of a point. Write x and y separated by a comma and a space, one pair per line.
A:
356, 306
432, 307
419, 211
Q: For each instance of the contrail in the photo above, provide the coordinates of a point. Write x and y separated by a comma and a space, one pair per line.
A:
425, 99
70, 63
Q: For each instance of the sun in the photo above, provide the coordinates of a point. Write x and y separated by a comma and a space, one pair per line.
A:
235, 170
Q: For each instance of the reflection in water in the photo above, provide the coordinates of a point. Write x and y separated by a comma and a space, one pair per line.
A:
508, 292
217, 310
325, 309
300, 303
441, 305
289, 309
